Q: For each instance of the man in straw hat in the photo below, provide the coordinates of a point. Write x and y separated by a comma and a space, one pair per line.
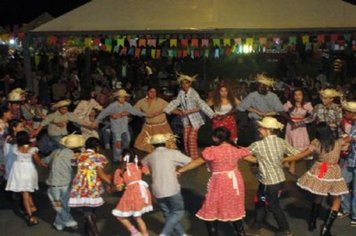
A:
60, 177
262, 102
119, 112
58, 120
270, 151
190, 105
15, 98
328, 111
165, 186
348, 202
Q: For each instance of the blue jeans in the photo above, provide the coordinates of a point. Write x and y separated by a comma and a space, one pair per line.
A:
173, 211
59, 197
125, 139
348, 202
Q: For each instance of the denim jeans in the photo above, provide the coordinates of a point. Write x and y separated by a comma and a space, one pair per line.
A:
59, 197
348, 202
125, 139
268, 195
173, 211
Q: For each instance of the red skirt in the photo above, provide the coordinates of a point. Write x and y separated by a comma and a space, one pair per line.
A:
228, 122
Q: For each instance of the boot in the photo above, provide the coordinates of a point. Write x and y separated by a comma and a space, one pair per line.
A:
212, 227
92, 228
325, 230
239, 228
313, 216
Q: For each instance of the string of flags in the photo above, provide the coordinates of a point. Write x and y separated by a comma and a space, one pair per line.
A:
194, 47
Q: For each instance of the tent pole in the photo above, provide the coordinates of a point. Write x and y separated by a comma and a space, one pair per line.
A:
27, 62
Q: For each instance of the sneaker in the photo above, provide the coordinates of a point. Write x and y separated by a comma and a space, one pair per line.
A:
353, 222
342, 215
58, 227
72, 224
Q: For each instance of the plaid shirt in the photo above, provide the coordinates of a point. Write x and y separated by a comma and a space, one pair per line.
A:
351, 158
332, 116
188, 101
269, 153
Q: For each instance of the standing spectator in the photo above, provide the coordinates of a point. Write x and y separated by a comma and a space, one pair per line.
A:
5, 116
225, 197
165, 186
190, 106
262, 102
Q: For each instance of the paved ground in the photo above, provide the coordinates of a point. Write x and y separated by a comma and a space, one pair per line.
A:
295, 203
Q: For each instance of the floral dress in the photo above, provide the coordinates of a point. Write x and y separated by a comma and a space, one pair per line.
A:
136, 199
87, 187
225, 198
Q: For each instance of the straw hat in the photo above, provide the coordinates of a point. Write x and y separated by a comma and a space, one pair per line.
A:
349, 106
72, 141
62, 103
121, 93
15, 96
182, 77
19, 90
263, 79
270, 123
159, 138
330, 93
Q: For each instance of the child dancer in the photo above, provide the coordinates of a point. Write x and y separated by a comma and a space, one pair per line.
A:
136, 199
23, 176
324, 177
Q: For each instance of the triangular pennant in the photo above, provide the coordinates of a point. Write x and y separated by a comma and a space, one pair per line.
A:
120, 42
143, 52
194, 43
170, 53
131, 51
133, 43
237, 40
292, 40
347, 37
305, 39
334, 38
152, 42
137, 52
123, 51
88, 42
158, 53
153, 53
217, 53
227, 42
196, 53
263, 40
184, 42
206, 53
142, 42
185, 53
216, 42
173, 42
160, 41
249, 41
179, 53
97, 42
320, 38
205, 42
174, 53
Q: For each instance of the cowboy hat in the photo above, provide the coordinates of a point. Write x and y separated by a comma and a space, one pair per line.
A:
330, 93
159, 138
349, 106
263, 79
72, 141
15, 96
270, 123
121, 93
182, 77
62, 103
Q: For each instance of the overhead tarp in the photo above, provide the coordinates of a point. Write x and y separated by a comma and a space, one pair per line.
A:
41, 19
204, 15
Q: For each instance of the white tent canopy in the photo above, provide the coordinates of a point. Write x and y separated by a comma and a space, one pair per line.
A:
204, 15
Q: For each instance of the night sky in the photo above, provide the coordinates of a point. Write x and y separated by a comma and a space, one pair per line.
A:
22, 11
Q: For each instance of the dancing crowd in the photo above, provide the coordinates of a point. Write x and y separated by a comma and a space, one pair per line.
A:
32, 134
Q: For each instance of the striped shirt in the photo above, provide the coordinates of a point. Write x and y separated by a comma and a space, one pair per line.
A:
269, 153
189, 101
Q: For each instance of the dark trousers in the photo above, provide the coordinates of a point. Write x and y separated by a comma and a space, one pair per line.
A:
268, 196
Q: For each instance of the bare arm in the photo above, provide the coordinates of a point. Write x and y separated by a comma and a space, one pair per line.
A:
299, 156
191, 165
250, 158
103, 176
